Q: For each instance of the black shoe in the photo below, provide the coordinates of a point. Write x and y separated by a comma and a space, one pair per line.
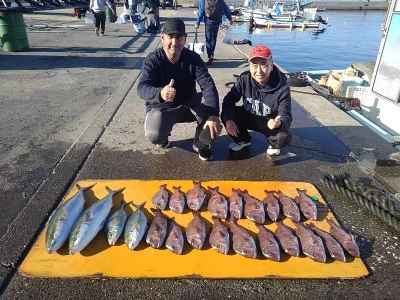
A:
204, 154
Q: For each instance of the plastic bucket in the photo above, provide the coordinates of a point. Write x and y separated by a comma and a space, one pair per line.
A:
13, 32
110, 16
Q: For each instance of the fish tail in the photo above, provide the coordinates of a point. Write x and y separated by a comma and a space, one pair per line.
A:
114, 191
138, 206
79, 187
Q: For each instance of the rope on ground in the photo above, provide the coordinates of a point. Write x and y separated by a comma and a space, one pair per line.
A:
380, 203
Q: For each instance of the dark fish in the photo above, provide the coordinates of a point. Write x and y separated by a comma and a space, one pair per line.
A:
177, 200
331, 244
307, 206
242, 242
235, 204
196, 231
219, 236
158, 229
347, 241
287, 239
289, 207
271, 205
160, 199
268, 244
217, 204
311, 244
174, 241
253, 209
195, 196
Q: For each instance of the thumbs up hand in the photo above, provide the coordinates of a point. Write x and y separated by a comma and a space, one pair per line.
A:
274, 123
168, 92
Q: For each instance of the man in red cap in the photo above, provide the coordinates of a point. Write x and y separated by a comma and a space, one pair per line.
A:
266, 104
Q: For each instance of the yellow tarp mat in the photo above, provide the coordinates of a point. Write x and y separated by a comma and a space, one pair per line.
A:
99, 259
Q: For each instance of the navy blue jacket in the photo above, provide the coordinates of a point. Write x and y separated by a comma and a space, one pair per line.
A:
158, 70
201, 14
270, 101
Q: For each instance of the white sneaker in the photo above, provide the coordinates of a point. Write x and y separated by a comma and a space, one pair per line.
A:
238, 146
163, 145
271, 151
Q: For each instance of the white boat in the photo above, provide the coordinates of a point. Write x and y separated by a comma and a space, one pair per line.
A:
380, 100
283, 16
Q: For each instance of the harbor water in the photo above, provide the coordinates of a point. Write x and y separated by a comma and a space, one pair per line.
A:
350, 37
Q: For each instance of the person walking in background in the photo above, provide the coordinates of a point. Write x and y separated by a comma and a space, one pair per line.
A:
168, 85
210, 11
98, 7
266, 104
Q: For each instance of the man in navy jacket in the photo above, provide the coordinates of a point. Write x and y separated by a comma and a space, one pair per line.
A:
211, 12
168, 85
266, 104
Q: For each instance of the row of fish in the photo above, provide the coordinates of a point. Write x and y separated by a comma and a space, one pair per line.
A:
307, 238
68, 221
238, 204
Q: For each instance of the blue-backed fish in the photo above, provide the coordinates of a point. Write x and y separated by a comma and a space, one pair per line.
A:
63, 219
90, 222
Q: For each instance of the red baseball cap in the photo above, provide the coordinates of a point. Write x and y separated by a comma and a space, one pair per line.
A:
260, 51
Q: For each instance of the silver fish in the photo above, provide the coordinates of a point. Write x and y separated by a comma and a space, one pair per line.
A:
160, 199
135, 227
219, 236
268, 244
115, 224
253, 209
347, 241
196, 231
289, 207
158, 229
235, 204
90, 222
331, 244
174, 240
307, 206
287, 239
217, 204
195, 196
311, 244
271, 206
63, 219
242, 242
177, 200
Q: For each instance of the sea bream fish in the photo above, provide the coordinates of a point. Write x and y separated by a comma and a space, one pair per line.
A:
174, 240
289, 207
115, 224
271, 206
311, 243
135, 227
242, 242
217, 204
195, 196
158, 229
63, 219
332, 245
307, 206
196, 231
160, 199
347, 241
268, 244
90, 222
219, 236
253, 209
235, 204
177, 200
287, 239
